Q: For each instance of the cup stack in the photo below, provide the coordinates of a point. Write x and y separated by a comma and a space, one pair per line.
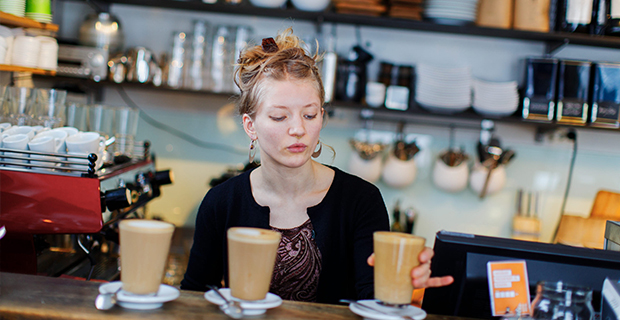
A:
39, 10
26, 51
14, 7
48, 53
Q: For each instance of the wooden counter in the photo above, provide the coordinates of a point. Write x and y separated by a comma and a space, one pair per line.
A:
38, 297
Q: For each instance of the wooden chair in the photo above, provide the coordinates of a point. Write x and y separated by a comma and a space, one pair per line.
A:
590, 232
606, 205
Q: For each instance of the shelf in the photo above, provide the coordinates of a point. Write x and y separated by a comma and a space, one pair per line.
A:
467, 119
15, 21
384, 22
11, 68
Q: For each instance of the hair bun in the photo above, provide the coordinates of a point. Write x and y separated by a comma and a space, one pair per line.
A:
269, 45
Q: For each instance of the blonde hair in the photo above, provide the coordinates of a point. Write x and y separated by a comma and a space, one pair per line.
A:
282, 61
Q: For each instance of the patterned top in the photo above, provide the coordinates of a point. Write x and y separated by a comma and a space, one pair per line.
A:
298, 264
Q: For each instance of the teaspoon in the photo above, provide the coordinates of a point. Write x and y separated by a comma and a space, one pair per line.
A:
105, 301
230, 307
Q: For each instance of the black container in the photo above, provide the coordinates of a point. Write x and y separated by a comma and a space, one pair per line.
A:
605, 95
351, 75
539, 89
572, 92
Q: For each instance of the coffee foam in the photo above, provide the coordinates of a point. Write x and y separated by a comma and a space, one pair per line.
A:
147, 226
253, 235
398, 237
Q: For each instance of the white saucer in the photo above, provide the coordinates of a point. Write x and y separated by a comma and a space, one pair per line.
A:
139, 302
250, 308
391, 313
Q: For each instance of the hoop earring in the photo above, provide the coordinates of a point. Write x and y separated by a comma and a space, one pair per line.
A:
317, 153
252, 150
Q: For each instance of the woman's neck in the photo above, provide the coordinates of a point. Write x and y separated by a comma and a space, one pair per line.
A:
287, 181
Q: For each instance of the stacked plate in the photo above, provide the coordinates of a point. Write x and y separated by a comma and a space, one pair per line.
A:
15, 7
495, 99
456, 12
444, 90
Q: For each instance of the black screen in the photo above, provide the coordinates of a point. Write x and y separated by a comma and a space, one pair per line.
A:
465, 257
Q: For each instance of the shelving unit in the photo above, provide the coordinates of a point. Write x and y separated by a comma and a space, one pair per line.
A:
553, 40
15, 21
11, 68
384, 22
22, 22
413, 115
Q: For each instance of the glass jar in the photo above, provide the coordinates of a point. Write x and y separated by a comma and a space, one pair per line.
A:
562, 301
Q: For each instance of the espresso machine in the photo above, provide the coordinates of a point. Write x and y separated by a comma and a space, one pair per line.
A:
60, 212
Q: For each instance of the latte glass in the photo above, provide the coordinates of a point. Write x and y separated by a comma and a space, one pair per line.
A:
396, 254
144, 252
251, 258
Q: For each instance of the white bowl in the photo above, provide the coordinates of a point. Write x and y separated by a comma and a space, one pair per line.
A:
268, 3
311, 5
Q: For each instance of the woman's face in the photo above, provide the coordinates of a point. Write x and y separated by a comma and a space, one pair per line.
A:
287, 122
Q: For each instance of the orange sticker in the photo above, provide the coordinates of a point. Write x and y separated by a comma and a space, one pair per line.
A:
508, 287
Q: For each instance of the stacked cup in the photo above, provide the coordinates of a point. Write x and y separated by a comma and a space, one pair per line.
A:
4, 47
16, 106
39, 10
125, 129
26, 51
48, 107
48, 53
14, 7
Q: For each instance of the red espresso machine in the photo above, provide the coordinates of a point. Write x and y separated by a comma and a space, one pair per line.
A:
60, 212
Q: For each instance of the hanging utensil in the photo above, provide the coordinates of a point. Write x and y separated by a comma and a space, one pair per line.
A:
402, 150
493, 162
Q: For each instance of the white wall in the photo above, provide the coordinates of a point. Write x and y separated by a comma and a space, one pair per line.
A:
541, 167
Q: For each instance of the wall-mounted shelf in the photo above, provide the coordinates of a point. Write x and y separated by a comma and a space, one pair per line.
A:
15, 21
414, 115
385, 22
11, 68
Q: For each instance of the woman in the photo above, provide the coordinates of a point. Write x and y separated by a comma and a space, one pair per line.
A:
326, 216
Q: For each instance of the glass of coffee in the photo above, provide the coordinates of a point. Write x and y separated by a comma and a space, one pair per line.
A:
396, 254
144, 251
251, 258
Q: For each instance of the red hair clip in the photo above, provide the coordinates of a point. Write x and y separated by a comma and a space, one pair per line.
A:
269, 45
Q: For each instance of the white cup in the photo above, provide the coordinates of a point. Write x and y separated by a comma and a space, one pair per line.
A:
59, 135
45, 144
84, 142
27, 130
83, 163
70, 130
39, 129
4, 126
450, 178
398, 173
375, 94
17, 142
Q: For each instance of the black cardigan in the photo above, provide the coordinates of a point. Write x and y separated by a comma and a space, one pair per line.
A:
343, 223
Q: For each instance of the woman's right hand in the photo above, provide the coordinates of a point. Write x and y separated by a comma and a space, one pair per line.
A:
421, 275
